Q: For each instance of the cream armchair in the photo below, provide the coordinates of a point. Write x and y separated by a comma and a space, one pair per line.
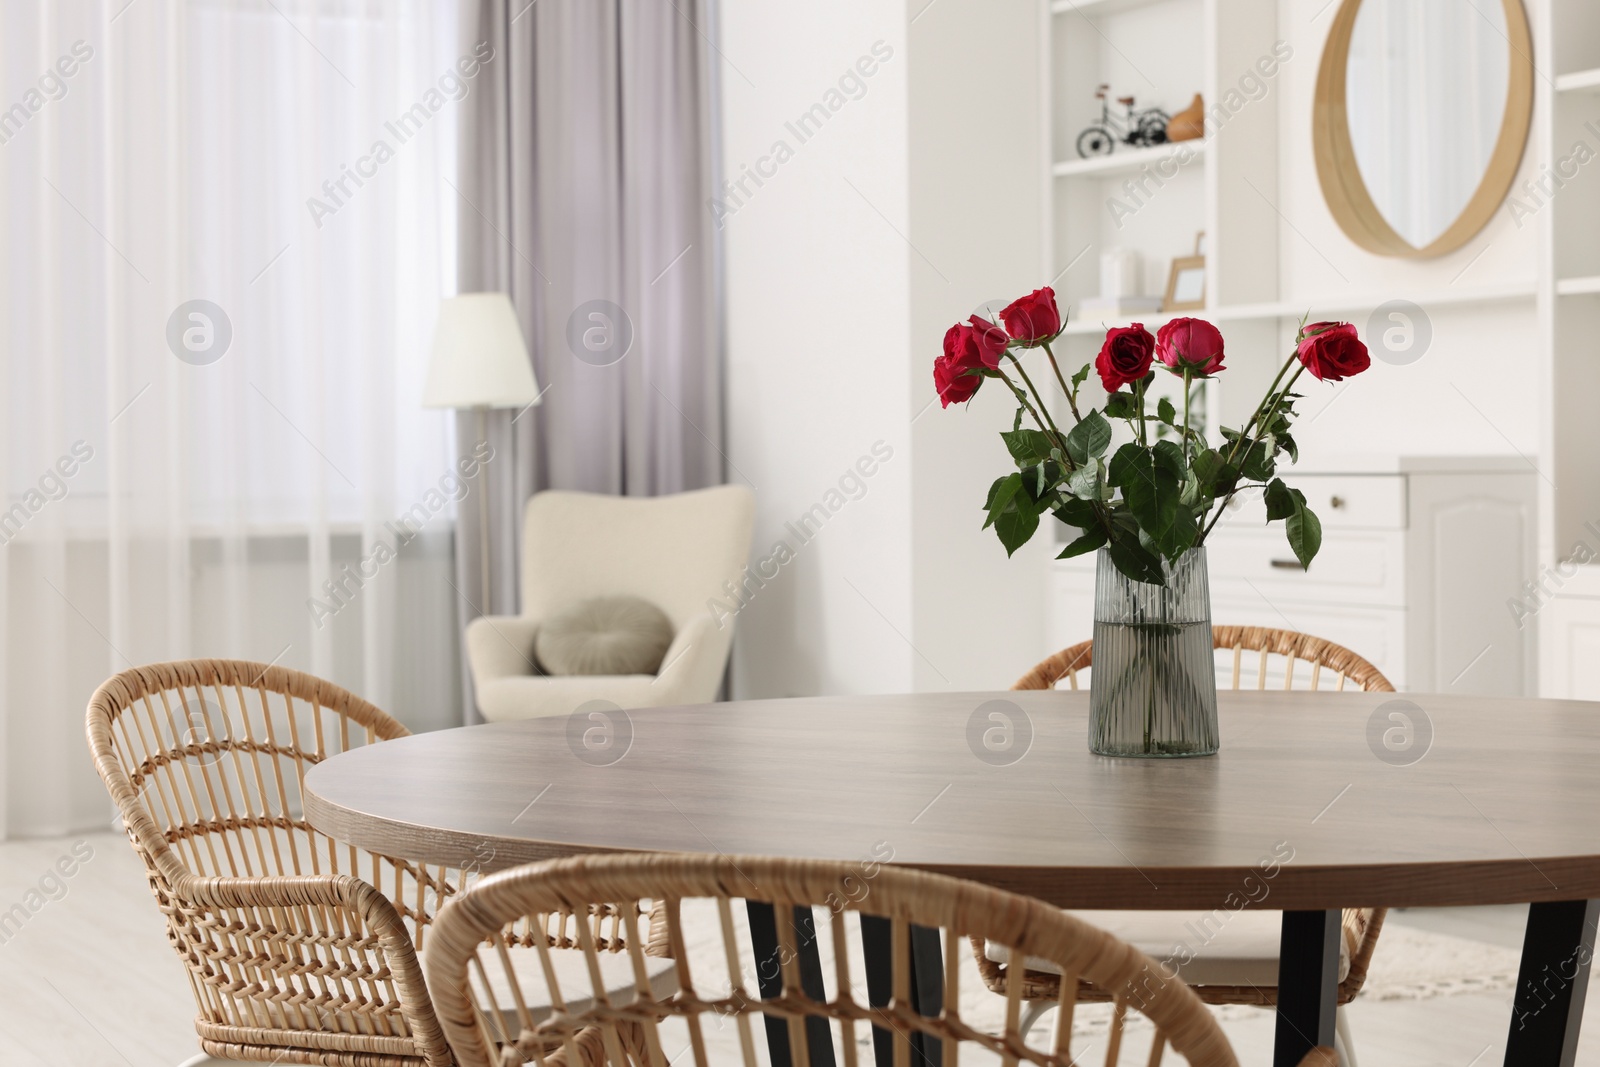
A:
674, 551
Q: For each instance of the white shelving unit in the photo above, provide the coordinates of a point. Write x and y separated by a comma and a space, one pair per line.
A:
1157, 200
1097, 7
1132, 160
1347, 305
1569, 47
1579, 81
1228, 187
1578, 286
1546, 309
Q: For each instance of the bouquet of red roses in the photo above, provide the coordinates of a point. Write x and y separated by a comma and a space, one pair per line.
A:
1158, 495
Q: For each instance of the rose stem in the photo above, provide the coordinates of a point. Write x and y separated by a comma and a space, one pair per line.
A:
1264, 421
1042, 405
1186, 373
1245, 433
1072, 401
1022, 398
1048, 431
1138, 393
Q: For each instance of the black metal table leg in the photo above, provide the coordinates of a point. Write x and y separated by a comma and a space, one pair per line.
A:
1552, 981
927, 986
1308, 984
769, 981
927, 991
878, 956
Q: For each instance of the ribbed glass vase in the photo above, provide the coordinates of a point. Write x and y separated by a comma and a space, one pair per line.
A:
1153, 686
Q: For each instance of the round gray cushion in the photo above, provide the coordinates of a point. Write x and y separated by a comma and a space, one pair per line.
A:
606, 635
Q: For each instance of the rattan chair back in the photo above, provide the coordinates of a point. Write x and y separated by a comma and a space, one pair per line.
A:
1304, 662
709, 1019
293, 953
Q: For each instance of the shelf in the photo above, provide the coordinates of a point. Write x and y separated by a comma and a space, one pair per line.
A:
1127, 161
1094, 8
1578, 286
1331, 305
1367, 301
1579, 82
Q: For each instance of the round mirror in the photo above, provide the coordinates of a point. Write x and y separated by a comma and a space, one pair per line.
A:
1422, 112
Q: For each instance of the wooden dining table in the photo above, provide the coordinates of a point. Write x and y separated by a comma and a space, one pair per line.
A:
1366, 799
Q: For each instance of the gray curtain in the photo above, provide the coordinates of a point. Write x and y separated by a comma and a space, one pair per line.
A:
586, 167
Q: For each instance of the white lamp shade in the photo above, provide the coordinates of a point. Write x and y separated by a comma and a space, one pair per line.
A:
479, 358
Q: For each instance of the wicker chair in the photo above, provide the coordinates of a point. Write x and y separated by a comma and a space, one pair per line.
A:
1293, 648
711, 1015
1331, 667
294, 953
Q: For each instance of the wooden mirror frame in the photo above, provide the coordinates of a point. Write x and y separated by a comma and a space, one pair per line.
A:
1346, 191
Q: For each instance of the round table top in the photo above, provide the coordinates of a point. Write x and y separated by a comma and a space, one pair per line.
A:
1316, 800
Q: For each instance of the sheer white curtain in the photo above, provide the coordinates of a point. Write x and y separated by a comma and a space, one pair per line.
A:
288, 163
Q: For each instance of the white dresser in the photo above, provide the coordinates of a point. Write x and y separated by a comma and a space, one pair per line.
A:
1420, 556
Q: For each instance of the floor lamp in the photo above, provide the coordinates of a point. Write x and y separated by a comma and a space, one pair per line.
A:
480, 362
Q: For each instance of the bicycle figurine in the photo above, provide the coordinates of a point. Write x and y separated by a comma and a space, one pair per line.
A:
1140, 128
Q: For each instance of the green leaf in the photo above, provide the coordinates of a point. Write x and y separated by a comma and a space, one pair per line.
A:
1169, 454
1209, 467
1016, 421
1125, 462
1121, 406
1093, 538
1135, 561
1027, 447
1080, 377
1166, 412
1085, 482
988, 501
1280, 500
1180, 536
1151, 491
1001, 494
1305, 532
1089, 438
1258, 465
1190, 491
1016, 524
1079, 513
1286, 444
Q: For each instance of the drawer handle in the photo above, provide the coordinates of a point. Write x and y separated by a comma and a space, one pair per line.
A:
1337, 503
1287, 565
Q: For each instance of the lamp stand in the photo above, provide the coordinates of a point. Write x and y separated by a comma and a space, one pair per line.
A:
483, 514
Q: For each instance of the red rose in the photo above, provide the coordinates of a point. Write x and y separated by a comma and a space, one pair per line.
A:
977, 345
1126, 356
989, 339
1190, 344
967, 351
1033, 318
1332, 351
955, 383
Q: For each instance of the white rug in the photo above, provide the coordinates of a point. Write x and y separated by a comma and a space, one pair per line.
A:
1412, 964
1408, 964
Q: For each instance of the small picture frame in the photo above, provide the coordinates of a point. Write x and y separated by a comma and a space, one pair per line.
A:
1200, 243
1186, 284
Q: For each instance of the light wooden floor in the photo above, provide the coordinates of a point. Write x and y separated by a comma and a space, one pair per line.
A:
88, 981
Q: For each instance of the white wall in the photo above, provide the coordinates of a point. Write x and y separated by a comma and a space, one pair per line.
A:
911, 206
818, 338
978, 215
1478, 389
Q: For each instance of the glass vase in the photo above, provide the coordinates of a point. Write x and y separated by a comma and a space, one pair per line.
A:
1153, 683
